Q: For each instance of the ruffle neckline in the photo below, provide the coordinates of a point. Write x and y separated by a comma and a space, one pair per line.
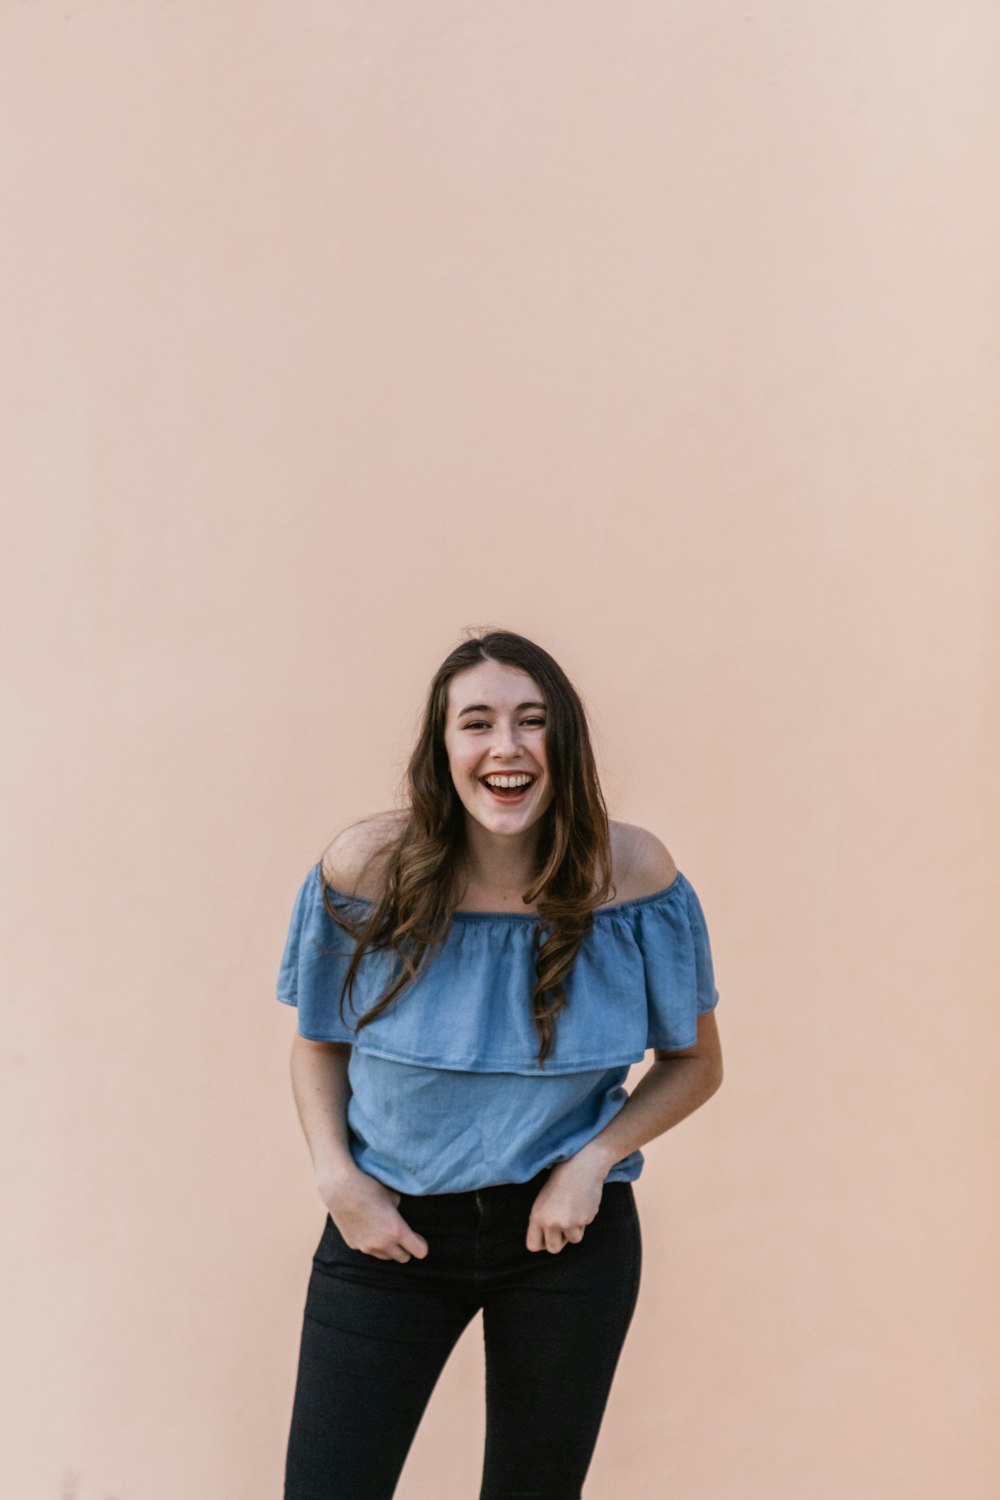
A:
641, 977
618, 908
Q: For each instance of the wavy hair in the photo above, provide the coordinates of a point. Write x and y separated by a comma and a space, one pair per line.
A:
420, 865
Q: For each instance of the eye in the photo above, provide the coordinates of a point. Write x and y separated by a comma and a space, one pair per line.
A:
481, 723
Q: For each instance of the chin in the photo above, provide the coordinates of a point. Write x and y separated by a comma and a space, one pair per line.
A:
514, 821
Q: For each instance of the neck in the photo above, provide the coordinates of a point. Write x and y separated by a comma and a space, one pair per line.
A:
500, 862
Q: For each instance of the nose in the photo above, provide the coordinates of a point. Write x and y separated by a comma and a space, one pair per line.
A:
505, 742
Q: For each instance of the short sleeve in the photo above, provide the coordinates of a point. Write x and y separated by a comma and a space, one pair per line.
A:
680, 975
313, 966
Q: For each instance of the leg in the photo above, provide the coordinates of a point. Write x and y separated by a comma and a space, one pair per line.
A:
375, 1337
554, 1327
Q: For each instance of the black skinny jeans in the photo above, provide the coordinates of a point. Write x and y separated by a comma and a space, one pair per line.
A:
376, 1335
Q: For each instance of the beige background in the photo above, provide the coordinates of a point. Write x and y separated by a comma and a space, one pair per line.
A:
666, 333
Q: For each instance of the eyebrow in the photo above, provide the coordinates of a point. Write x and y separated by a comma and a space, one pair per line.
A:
485, 708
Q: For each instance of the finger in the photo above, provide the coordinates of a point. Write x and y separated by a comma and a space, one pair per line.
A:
554, 1240
535, 1239
395, 1252
413, 1243
387, 1252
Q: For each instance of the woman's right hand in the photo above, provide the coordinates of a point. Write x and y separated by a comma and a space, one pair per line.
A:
366, 1214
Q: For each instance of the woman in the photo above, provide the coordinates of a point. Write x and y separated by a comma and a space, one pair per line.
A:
474, 975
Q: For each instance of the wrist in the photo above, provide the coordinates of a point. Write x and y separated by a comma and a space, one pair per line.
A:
333, 1174
599, 1155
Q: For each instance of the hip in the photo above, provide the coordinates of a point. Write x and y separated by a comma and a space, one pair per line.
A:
479, 1236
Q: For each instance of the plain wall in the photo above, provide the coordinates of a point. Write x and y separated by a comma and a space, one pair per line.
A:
667, 334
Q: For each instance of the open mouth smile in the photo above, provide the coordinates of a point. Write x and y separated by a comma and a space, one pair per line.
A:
508, 786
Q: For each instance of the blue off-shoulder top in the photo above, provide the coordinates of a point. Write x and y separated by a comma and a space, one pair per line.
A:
446, 1091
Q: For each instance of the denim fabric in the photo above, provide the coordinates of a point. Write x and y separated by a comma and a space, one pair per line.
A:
424, 1130
447, 1094
377, 1333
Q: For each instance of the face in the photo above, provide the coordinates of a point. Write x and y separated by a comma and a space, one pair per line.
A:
495, 728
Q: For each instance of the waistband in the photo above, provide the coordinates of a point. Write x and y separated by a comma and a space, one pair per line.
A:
497, 1192
498, 1204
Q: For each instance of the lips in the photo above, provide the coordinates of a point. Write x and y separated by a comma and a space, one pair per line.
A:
512, 794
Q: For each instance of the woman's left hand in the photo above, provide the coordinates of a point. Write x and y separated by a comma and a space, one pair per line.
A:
566, 1204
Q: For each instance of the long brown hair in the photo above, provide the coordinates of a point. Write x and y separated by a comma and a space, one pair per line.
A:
420, 867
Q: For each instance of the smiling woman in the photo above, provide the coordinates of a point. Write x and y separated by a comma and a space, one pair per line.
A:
474, 976
506, 780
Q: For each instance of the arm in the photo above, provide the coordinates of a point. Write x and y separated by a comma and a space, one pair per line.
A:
676, 1084
364, 1210
321, 1089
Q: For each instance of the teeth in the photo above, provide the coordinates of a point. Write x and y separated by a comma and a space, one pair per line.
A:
508, 781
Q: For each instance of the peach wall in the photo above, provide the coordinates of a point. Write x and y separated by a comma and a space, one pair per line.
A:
666, 333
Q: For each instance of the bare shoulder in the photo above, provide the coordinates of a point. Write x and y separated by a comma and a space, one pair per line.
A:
642, 863
354, 860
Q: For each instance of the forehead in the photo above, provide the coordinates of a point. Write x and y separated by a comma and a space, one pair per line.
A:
492, 682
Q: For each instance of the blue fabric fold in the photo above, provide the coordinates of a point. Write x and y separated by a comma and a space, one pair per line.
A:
641, 978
